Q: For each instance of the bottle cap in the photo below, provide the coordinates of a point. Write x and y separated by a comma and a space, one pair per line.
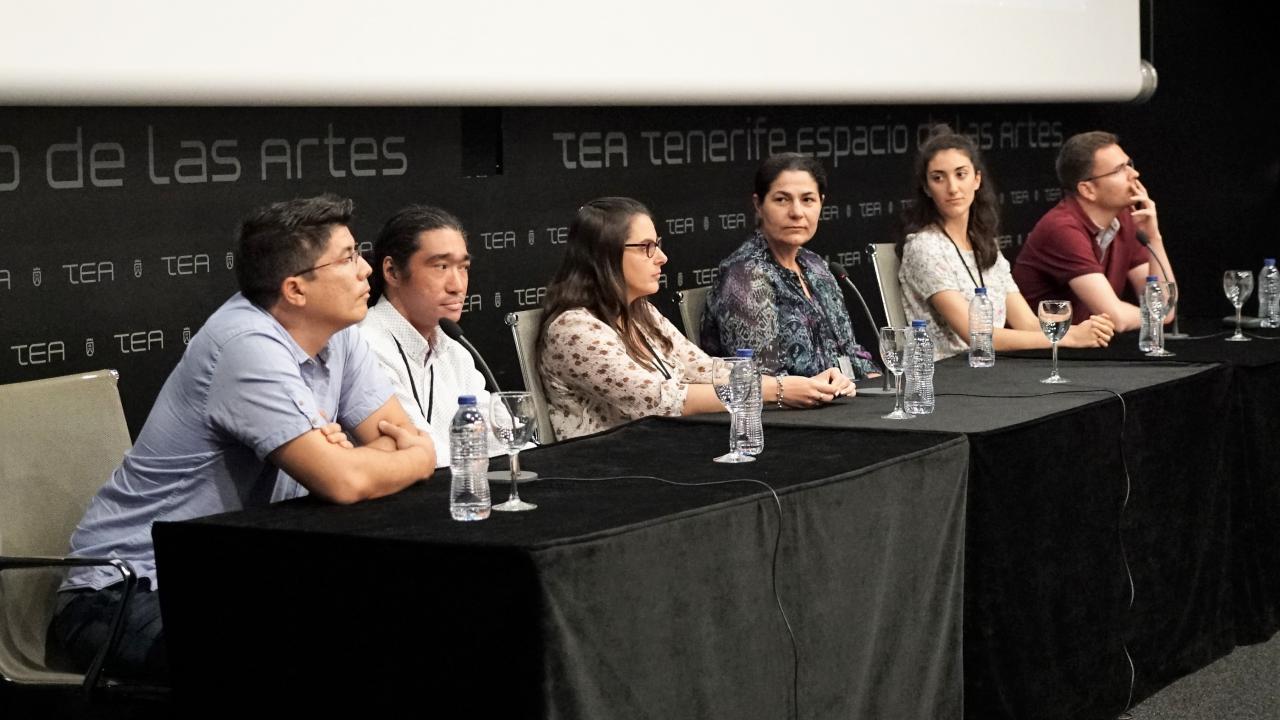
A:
1152, 278
745, 352
980, 291
1269, 261
466, 399
918, 323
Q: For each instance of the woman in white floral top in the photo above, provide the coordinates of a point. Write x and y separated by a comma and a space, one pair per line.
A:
606, 356
950, 250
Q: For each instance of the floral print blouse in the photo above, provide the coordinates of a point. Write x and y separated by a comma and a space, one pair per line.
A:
756, 303
592, 384
930, 265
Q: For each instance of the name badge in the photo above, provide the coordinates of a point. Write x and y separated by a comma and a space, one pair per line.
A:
846, 367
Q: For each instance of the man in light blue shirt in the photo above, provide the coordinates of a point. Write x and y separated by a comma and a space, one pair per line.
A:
258, 407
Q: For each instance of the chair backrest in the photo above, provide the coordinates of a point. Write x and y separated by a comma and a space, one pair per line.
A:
524, 332
885, 260
62, 438
692, 303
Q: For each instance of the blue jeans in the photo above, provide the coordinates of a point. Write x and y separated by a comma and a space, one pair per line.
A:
81, 625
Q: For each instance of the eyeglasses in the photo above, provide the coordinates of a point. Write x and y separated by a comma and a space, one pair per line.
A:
649, 246
1128, 165
347, 260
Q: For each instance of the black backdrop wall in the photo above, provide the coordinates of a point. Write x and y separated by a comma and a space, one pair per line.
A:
116, 223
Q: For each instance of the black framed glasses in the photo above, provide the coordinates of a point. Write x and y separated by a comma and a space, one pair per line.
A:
345, 261
649, 246
1128, 165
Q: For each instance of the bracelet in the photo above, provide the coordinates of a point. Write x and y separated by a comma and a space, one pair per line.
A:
778, 379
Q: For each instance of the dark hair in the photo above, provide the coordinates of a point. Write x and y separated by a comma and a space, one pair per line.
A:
590, 276
775, 165
984, 213
1075, 158
398, 240
281, 239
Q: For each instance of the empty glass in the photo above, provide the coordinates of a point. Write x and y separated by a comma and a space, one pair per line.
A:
512, 416
1238, 285
893, 346
731, 377
1055, 321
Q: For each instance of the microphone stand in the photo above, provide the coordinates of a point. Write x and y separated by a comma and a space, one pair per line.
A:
1146, 243
887, 387
454, 331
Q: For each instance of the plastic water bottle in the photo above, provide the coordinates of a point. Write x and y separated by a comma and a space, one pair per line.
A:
1154, 308
1147, 330
751, 431
982, 349
1269, 294
919, 363
469, 462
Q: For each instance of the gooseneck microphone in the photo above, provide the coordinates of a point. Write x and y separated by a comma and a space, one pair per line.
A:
838, 270
454, 331
1146, 243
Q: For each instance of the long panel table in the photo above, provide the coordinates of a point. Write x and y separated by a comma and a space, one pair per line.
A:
1051, 541
617, 598
1109, 547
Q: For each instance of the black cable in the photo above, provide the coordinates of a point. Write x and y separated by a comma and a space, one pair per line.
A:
777, 542
1124, 463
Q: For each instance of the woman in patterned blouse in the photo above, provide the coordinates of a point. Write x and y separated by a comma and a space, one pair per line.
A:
774, 296
951, 249
607, 356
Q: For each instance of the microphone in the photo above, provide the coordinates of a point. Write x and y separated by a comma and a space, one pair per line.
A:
454, 331
838, 270
1145, 240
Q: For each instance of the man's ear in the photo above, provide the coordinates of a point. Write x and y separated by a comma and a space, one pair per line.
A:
389, 272
293, 291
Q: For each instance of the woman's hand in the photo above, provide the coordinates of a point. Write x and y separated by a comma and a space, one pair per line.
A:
1094, 332
806, 392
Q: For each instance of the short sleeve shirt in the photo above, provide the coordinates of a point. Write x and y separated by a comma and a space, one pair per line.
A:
242, 389
931, 264
1063, 245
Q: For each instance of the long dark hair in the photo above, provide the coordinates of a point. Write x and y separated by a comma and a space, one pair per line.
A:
399, 241
590, 276
984, 213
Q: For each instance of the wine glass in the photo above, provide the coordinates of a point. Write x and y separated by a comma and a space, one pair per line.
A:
1174, 334
512, 417
731, 378
1055, 320
893, 347
1238, 285
1159, 304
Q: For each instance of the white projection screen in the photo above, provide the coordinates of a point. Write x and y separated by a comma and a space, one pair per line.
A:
486, 52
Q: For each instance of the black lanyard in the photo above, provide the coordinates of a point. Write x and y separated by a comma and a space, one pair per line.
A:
981, 281
662, 368
431, 396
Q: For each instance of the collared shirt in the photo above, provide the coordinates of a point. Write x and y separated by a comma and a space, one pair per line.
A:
1107, 234
428, 374
756, 303
243, 388
1066, 244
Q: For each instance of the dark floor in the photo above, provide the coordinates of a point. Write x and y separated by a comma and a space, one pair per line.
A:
1244, 685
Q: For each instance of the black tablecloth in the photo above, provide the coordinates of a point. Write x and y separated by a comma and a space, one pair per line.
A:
1048, 625
615, 598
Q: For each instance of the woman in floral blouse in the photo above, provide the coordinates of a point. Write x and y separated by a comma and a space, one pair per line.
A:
774, 296
951, 250
607, 356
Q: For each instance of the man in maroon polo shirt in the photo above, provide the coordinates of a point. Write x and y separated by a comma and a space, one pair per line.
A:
1086, 248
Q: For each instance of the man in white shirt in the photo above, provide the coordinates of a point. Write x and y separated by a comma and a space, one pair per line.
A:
420, 270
